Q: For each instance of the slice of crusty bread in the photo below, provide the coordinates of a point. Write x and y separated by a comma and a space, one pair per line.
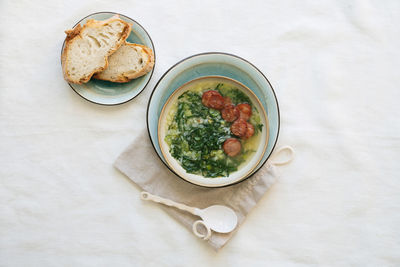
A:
87, 48
130, 61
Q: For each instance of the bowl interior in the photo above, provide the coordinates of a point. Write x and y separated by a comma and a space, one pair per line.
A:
110, 93
209, 64
245, 168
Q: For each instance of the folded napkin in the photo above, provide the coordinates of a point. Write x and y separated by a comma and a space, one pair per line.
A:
140, 163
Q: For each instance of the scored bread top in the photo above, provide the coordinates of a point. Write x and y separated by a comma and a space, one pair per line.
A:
87, 48
130, 61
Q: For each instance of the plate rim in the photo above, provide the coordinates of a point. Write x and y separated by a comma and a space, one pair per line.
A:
203, 54
151, 74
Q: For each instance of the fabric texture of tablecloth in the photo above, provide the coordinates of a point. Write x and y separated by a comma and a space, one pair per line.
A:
334, 66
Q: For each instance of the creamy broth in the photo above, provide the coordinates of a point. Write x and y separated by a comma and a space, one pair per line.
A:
195, 134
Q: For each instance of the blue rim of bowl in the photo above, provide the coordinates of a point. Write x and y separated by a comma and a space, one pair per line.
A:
214, 53
151, 74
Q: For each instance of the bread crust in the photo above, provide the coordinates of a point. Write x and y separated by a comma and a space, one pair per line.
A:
77, 33
148, 66
126, 76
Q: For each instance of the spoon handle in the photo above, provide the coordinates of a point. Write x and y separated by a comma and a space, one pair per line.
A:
168, 202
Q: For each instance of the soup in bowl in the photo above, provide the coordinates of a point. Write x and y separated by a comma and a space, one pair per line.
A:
213, 131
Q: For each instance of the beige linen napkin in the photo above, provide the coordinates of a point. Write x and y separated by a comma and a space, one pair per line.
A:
141, 164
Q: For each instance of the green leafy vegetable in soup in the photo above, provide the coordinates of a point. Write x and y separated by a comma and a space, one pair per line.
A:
198, 135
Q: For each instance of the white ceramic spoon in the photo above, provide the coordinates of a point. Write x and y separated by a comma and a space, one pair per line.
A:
219, 218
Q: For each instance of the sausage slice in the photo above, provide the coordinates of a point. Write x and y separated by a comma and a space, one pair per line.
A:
245, 111
230, 113
213, 99
249, 131
239, 127
232, 147
227, 101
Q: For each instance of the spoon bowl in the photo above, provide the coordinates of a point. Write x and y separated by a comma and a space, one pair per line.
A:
219, 218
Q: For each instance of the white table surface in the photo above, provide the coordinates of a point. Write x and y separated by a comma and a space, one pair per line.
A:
335, 68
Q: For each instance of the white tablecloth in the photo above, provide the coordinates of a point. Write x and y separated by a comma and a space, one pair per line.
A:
335, 68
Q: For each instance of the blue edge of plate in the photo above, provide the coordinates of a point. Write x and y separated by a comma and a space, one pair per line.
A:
219, 64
